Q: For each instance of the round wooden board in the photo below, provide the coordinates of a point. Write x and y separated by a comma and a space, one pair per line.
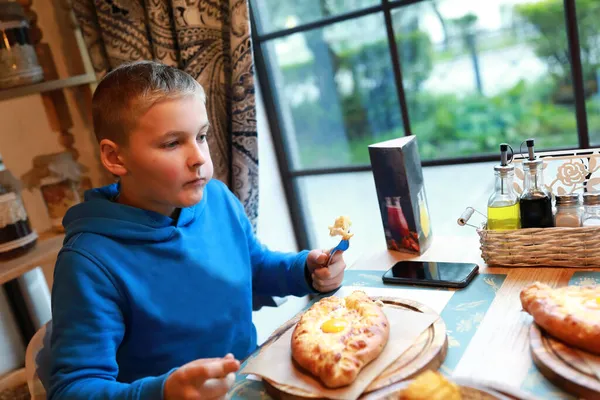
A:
428, 352
562, 365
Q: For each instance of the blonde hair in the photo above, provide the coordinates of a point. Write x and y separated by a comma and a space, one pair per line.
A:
128, 91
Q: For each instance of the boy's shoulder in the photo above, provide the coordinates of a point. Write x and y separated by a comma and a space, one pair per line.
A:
87, 243
83, 252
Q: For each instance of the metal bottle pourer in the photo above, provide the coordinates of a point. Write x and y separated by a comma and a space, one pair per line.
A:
505, 159
504, 154
530, 145
531, 159
532, 162
505, 166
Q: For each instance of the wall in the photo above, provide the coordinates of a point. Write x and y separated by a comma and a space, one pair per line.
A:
25, 131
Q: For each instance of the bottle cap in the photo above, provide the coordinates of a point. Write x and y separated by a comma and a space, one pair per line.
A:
530, 149
504, 168
504, 159
591, 199
571, 199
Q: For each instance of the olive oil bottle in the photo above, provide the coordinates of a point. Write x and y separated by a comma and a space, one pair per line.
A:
503, 205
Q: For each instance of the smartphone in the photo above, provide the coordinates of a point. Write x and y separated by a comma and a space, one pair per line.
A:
444, 274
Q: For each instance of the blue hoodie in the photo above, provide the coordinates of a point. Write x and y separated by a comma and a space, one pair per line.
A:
137, 294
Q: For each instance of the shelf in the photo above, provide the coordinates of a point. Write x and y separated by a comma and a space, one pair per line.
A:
47, 86
45, 251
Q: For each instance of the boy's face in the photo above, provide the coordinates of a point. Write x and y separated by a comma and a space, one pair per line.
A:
167, 159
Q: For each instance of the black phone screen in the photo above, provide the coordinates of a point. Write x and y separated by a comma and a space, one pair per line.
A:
431, 273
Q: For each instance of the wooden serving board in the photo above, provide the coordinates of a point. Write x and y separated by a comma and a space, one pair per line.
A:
469, 390
563, 365
428, 352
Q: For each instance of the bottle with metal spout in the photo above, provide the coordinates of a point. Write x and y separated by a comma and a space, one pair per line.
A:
503, 204
535, 201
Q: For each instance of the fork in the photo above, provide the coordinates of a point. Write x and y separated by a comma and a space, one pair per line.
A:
343, 245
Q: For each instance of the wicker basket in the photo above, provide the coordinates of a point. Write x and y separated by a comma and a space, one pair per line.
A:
567, 171
550, 247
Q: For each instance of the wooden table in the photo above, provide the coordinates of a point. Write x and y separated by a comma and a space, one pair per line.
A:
499, 351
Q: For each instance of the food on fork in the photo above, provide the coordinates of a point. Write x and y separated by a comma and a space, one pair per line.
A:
570, 314
337, 337
431, 385
341, 227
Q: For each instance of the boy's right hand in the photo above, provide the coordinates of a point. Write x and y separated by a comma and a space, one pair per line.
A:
206, 378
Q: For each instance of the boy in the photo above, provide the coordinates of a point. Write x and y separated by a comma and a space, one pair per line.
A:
152, 289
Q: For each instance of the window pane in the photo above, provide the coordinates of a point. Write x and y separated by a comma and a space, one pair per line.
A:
274, 15
477, 73
588, 12
335, 92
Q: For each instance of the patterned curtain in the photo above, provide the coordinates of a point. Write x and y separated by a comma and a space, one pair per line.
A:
210, 40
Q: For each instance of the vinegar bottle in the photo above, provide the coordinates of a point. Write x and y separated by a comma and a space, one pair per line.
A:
503, 204
536, 201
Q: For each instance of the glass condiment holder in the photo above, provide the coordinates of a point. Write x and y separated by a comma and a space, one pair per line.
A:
536, 201
503, 204
591, 209
568, 211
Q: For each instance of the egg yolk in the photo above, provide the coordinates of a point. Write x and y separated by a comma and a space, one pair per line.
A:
334, 325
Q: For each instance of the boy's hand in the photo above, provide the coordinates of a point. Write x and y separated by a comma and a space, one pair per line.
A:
325, 279
206, 378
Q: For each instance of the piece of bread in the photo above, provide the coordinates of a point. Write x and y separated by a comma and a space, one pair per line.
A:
337, 337
431, 385
570, 314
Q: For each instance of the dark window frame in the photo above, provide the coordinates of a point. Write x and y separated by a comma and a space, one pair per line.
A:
271, 101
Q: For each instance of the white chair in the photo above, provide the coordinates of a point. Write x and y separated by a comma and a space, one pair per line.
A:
36, 389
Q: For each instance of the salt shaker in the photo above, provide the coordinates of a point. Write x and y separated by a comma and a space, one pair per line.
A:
568, 211
591, 213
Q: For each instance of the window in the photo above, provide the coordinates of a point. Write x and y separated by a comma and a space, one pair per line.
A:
589, 41
336, 92
461, 75
480, 73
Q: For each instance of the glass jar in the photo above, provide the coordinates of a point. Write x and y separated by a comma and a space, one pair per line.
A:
16, 235
59, 195
591, 212
568, 211
18, 60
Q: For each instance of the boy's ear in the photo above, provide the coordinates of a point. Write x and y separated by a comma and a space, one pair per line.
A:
110, 155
